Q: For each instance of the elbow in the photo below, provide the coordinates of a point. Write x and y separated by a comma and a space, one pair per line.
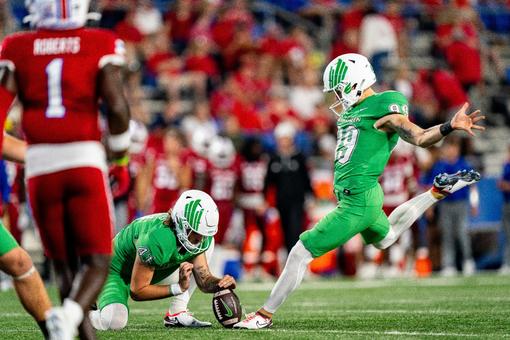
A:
136, 295
421, 142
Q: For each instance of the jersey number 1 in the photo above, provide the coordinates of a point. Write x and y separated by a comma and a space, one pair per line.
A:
55, 108
347, 138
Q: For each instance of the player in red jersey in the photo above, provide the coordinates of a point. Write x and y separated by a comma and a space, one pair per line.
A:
169, 173
59, 73
399, 182
223, 177
253, 204
196, 157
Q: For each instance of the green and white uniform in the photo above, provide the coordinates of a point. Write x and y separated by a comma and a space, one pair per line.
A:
7, 241
361, 154
156, 245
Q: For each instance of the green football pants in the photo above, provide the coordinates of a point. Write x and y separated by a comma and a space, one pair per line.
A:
355, 213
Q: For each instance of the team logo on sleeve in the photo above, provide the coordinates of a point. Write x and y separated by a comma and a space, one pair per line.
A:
145, 255
399, 109
394, 108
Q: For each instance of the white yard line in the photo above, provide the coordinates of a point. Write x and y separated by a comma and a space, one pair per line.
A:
327, 285
397, 333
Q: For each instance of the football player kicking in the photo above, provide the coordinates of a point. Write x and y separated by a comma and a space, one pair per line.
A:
149, 250
369, 125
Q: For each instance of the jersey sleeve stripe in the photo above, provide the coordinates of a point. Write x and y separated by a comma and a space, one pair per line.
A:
113, 59
7, 63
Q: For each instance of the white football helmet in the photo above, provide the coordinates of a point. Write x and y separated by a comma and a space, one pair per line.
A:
201, 139
195, 211
348, 76
222, 152
58, 14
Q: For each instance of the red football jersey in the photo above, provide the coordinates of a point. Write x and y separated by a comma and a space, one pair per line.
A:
56, 72
166, 186
198, 166
398, 180
253, 175
222, 182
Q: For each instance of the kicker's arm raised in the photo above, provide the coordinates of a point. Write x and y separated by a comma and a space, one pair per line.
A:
415, 135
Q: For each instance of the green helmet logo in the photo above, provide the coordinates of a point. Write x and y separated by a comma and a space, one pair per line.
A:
337, 74
348, 88
193, 211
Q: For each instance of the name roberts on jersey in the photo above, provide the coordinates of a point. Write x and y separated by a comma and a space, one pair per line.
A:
68, 45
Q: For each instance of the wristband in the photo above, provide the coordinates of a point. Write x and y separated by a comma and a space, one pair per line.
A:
175, 289
123, 161
119, 142
446, 128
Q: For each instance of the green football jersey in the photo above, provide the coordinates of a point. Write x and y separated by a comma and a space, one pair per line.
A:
362, 151
155, 243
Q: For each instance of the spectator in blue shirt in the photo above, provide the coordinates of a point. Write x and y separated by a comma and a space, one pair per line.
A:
504, 185
453, 211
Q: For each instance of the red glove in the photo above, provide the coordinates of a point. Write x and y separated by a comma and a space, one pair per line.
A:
120, 180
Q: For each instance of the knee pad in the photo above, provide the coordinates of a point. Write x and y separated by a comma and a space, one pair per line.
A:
114, 316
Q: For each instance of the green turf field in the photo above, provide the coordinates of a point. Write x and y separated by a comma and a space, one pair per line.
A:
407, 308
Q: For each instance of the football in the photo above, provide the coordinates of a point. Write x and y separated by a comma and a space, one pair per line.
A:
227, 308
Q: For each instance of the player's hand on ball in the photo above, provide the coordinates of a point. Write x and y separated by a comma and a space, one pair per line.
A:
467, 122
227, 282
185, 271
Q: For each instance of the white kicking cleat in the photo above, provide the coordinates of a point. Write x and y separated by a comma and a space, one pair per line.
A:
254, 321
59, 327
183, 319
448, 184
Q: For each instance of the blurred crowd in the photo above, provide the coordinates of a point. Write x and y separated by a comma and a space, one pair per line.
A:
226, 96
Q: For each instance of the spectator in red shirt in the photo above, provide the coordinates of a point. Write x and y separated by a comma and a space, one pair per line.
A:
448, 89
465, 61
179, 21
351, 19
346, 43
200, 61
270, 43
424, 100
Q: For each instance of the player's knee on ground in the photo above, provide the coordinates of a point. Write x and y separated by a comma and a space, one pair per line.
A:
113, 316
16, 262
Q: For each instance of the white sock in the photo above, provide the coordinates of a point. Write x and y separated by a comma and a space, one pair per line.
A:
179, 303
403, 217
73, 311
291, 277
113, 316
